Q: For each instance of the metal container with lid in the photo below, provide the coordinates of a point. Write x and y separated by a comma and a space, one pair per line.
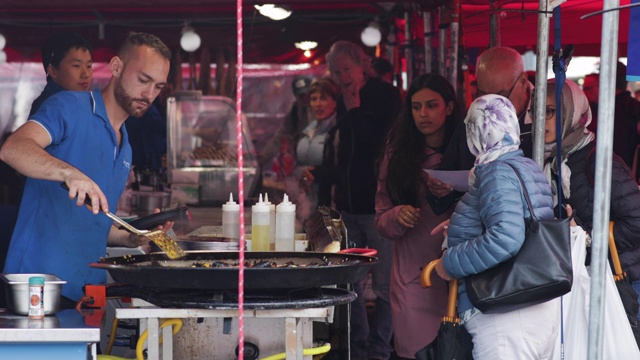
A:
17, 292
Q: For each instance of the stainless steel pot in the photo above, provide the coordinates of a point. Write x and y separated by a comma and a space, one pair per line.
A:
147, 201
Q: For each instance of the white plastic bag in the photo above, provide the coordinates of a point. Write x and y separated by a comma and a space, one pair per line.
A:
619, 342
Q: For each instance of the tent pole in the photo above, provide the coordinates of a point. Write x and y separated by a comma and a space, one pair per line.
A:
428, 34
494, 24
455, 38
542, 63
602, 191
407, 47
442, 44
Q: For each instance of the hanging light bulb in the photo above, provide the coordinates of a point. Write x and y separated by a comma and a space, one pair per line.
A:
3, 41
190, 41
371, 35
307, 53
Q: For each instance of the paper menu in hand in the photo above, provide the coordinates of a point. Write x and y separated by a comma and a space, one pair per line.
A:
458, 178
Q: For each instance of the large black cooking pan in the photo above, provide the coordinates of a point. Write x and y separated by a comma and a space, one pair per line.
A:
312, 270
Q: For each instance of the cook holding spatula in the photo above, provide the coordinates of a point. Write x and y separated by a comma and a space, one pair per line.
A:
78, 138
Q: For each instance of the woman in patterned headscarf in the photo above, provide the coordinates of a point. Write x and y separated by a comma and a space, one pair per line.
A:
578, 168
488, 227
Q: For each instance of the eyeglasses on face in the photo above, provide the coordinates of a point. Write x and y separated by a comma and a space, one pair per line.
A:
501, 93
549, 112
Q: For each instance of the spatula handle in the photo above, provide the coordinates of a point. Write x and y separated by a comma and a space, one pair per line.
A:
122, 223
87, 200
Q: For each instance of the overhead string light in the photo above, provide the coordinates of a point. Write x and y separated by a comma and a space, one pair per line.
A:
306, 47
371, 35
190, 41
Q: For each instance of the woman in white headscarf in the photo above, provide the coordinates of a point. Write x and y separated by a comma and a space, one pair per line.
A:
577, 171
488, 227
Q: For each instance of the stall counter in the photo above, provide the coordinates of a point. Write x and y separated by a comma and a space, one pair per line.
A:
63, 336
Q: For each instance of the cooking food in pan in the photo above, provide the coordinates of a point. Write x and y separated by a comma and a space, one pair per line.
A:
219, 270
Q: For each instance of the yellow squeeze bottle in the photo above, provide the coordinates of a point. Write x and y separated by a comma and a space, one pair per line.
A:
260, 226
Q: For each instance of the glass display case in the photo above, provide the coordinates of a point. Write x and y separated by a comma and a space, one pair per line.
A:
202, 159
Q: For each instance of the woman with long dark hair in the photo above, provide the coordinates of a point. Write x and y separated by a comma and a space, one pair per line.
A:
416, 141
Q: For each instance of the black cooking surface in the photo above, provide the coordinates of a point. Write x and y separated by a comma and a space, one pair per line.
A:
266, 270
221, 299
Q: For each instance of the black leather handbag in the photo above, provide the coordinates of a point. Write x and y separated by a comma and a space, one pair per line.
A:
539, 272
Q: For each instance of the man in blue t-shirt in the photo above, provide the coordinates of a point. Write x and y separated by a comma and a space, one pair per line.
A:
78, 138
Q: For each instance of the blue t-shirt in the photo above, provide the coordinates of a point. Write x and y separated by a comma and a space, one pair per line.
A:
53, 235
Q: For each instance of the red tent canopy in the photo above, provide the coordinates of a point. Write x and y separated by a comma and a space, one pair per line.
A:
519, 25
26, 24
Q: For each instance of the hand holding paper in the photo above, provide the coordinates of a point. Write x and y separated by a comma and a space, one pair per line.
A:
459, 179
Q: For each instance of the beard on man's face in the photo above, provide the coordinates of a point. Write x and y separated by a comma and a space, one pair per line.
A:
127, 103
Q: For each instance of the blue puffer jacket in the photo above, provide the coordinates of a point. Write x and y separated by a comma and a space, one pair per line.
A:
487, 226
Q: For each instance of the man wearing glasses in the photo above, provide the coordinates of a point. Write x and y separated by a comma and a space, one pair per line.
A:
499, 70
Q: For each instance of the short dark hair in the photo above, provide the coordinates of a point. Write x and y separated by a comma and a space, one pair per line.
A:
621, 76
381, 66
144, 39
56, 47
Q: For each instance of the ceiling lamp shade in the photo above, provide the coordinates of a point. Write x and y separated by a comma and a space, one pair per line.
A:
306, 45
190, 41
273, 12
371, 35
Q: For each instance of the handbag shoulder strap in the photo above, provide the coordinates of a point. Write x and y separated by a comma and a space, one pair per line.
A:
524, 190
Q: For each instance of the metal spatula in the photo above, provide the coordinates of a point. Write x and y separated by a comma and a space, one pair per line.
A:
159, 237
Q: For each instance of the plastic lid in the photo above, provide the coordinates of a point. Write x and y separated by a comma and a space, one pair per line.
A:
260, 206
231, 205
286, 205
266, 200
36, 280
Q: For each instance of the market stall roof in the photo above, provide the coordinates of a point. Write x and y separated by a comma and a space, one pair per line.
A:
519, 25
26, 24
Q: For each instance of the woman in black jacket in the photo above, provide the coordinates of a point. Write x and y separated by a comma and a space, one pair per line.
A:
578, 168
365, 110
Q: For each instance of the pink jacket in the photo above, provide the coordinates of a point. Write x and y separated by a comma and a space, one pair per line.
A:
416, 312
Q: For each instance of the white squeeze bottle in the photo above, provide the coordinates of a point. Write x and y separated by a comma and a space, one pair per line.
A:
272, 222
231, 219
285, 225
260, 226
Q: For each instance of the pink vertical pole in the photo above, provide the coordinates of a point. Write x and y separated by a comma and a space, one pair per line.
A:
239, 139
